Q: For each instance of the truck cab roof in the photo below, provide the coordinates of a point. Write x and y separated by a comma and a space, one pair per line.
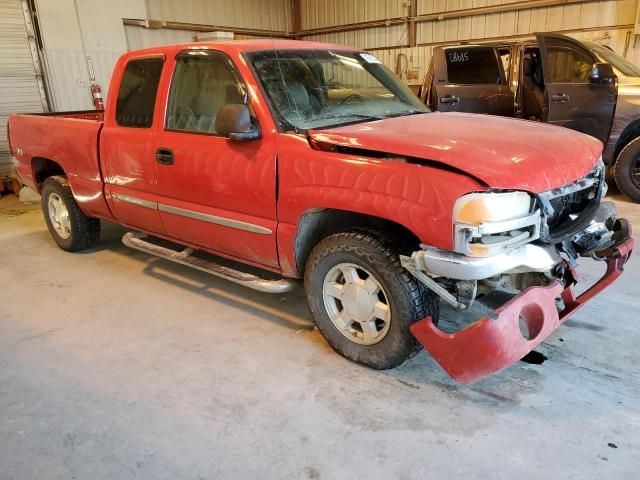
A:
240, 46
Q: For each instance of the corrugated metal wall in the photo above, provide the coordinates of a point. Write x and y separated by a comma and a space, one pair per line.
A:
327, 13
73, 30
20, 90
68, 77
609, 22
139, 37
100, 34
257, 14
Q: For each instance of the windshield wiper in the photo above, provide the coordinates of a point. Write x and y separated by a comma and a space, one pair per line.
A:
403, 114
349, 115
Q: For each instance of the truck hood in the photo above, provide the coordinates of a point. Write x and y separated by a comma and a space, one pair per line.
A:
502, 153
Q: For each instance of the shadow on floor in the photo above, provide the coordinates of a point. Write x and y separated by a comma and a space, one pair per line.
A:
288, 310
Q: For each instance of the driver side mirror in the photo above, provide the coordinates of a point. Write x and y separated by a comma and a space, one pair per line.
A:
234, 122
602, 73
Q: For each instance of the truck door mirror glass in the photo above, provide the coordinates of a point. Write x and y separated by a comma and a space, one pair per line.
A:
602, 73
234, 121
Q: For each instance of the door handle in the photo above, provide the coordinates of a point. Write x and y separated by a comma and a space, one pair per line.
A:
560, 98
164, 156
449, 100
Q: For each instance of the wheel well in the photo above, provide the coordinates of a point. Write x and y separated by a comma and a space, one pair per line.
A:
629, 133
314, 225
44, 168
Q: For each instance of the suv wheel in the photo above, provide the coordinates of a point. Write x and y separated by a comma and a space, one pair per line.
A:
626, 170
363, 301
70, 228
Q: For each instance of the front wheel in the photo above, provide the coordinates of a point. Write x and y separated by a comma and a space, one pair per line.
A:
626, 170
363, 301
71, 229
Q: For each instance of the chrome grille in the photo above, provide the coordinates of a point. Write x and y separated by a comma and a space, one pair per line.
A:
568, 209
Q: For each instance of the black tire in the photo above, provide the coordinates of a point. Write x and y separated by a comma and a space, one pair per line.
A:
628, 160
84, 231
408, 299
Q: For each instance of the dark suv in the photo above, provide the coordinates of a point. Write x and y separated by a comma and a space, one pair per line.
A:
553, 78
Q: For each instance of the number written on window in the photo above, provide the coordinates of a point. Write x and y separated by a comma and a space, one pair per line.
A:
458, 57
476, 65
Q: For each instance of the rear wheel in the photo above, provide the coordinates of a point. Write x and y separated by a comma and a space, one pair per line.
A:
71, 229
363, 301
626, 170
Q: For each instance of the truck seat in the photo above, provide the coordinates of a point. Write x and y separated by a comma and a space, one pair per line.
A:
292, 99
205, 107
182, 120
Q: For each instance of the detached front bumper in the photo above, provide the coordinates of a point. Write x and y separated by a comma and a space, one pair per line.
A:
491, 344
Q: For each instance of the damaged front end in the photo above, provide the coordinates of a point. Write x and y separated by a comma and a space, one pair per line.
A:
572, 222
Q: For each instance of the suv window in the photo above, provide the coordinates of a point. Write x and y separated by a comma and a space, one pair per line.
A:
200, 86
470, 66
568, 64
137, 93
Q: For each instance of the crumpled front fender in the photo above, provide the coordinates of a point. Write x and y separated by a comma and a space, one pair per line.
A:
492, 344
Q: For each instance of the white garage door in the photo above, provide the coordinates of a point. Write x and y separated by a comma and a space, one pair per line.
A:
20, 75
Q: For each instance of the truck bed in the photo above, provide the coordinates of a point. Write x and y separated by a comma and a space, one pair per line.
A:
95, 115
69, 140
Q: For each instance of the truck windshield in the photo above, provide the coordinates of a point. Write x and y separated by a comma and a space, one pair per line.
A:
621, 64
310, 89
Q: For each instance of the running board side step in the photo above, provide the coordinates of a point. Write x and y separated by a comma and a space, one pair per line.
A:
139, 241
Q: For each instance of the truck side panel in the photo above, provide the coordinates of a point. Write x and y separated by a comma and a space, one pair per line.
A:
388, 189
71, 143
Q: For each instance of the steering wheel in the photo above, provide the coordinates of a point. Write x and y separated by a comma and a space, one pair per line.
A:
353, 96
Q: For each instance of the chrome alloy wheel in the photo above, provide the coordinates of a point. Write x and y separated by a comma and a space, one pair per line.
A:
59, 216
356, 303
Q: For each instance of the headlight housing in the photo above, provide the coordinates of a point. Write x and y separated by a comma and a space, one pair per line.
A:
490, 223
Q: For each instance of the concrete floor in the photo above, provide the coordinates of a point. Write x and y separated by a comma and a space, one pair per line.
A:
115, 365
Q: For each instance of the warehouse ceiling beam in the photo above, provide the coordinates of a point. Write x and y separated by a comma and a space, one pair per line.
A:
202, 27
502, 38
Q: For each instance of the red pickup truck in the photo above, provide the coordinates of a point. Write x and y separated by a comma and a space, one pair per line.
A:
290, 160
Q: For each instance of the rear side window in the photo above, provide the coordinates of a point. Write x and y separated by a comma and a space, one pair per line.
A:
137, 94
471, 66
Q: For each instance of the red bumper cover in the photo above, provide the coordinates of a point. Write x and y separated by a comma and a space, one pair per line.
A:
491, 344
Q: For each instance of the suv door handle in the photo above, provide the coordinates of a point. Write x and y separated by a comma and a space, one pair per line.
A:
449, 100
560, 98
164, 156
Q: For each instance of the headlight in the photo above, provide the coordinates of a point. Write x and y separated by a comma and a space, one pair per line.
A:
490, 223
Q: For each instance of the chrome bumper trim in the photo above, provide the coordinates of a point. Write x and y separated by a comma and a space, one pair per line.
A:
443, 263
464, 233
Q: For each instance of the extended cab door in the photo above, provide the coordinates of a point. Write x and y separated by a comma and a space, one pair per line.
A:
213, 192
126, 143
571, 100
470, 78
